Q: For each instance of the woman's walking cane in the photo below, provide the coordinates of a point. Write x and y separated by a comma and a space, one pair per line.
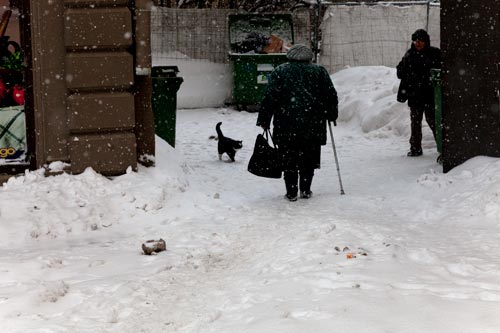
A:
336, 158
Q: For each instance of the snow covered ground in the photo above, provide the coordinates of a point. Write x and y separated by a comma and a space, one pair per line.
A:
425, 245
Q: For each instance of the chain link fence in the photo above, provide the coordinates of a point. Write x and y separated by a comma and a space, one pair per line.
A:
355, 34
202, 34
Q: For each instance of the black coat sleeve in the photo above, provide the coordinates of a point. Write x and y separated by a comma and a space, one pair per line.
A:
401, 68
402, 73
270, 101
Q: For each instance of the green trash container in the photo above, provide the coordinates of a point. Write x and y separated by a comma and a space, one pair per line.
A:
166, 83
436, 80
254, 43
250, 74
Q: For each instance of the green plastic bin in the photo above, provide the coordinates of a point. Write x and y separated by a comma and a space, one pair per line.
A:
166, 83
250, 64
436, 80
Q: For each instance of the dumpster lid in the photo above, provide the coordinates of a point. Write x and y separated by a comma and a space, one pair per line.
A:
260, 33
164, 71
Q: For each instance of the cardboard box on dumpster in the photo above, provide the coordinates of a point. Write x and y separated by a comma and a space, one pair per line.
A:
276, 45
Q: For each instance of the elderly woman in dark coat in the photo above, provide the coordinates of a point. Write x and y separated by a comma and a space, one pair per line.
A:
301, 98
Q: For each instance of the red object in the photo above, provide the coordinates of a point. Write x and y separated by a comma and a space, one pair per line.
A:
3, 90
18, 95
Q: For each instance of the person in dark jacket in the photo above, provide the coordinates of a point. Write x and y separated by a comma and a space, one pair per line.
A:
414, 70
300, 98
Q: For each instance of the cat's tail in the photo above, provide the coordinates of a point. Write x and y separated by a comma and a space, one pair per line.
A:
219, 132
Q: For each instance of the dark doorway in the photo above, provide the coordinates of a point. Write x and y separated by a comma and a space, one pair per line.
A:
470, 35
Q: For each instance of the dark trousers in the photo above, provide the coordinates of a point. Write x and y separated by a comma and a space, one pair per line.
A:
416, 115
299, 162
291, 178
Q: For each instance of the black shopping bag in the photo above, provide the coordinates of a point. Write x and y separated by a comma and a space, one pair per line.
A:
265, 160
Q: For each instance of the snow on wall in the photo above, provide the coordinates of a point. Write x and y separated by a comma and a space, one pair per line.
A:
366, 35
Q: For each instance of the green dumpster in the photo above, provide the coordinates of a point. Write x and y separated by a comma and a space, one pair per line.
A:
166, 83
258, 44
436, 80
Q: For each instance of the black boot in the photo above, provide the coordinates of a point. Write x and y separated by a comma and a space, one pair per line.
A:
306, 195
306, 177
291, 178
414, 153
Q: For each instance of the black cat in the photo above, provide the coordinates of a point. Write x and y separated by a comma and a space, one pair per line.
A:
227, 145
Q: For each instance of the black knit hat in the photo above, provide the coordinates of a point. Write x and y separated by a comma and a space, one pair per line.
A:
422, 35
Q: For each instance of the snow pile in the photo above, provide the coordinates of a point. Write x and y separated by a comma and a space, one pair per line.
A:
58, 206
471, 189
378, 109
